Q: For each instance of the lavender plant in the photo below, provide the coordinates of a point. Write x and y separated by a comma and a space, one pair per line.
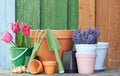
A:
89, 36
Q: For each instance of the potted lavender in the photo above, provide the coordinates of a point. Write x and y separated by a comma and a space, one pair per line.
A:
85, 44
87, 38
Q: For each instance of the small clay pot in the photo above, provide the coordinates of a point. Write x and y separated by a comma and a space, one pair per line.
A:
49, 66
35, 67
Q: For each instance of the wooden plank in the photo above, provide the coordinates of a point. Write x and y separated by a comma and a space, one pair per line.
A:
2, 21
102, 21
32, 13
107, 21
36, 16
7, 15
45, 14
86, 13
28, 11
72, 14
19, 10
10, 17
114, 37
54, 14
60, 17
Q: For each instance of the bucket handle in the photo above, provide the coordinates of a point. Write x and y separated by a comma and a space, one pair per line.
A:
19, 55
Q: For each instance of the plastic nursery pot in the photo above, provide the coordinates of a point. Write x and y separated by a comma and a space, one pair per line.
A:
69, 61
65, 39
49, 67
85, 63
35, 67
101, 54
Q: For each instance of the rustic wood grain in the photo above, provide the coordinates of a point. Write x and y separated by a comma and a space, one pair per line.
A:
60, 17
7, 15
86, 13
114, 37
45, 14
102, 21
107, 22
19, 10
72, 14
32, 13
35, 14
54, 14
28, 11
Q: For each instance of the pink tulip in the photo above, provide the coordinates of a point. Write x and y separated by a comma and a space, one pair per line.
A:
25, 29
15, 27
7, 37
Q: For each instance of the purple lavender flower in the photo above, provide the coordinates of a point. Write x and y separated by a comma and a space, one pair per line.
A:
89, 36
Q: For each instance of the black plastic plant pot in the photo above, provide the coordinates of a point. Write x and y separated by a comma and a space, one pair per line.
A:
69, 62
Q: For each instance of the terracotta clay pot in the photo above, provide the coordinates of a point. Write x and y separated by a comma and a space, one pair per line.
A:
65, 39
35, 67
49, 66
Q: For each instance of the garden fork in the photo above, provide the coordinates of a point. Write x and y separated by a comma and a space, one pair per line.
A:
39, 36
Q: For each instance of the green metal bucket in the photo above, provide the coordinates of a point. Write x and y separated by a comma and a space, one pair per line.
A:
18, 55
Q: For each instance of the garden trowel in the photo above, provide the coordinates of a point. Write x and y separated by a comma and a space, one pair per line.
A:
54, 45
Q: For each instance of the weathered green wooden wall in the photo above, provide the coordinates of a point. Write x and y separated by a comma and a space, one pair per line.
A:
28, 11
53, 14
72, 14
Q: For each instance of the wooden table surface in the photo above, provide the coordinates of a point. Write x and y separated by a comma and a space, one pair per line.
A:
107, 72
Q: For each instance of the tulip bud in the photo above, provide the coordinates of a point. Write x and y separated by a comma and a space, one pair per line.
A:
25, 29
7, 37
15, 27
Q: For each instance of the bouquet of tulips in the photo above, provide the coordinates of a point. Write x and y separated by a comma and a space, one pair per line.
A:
22, 32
